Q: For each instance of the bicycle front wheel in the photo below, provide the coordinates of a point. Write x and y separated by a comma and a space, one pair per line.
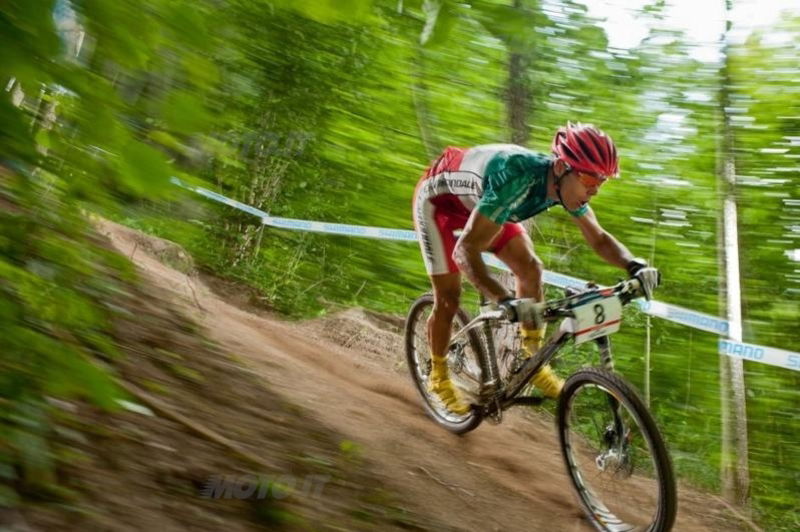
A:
615, 455
463, 361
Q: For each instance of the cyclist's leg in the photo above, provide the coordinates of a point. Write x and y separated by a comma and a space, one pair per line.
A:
515, 248
446, 298
435, 219
436, 239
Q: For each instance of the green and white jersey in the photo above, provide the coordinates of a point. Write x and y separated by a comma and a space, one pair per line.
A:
505, 182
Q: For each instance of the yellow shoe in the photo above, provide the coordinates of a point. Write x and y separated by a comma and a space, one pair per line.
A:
532, 340
440, 384
548, 382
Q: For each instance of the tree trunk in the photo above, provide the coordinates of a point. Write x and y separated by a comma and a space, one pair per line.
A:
518, 96
518, 101
419, 95
734, 471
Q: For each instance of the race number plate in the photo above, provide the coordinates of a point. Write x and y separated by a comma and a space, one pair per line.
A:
597, 318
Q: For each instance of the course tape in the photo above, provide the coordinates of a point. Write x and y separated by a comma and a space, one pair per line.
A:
759, 353
684, 316
304, 225
673, 313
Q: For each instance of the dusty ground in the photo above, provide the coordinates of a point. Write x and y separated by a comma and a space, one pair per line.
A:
328, 397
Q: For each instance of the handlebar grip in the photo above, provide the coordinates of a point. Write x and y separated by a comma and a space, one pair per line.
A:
528, 309
630, 290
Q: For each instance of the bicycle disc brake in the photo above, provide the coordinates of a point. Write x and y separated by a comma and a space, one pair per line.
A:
616, 459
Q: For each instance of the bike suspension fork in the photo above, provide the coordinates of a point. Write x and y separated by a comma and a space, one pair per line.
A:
604, 344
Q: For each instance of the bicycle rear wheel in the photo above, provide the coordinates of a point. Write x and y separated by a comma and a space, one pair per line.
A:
463, 361
615, 455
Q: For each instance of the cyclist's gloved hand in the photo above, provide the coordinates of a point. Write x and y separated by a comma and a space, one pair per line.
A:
648, 277
635, 265
525, 309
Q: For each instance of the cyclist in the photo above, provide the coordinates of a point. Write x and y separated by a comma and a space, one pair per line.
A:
486, 190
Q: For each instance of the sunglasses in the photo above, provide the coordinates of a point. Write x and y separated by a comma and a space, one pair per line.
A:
590, 180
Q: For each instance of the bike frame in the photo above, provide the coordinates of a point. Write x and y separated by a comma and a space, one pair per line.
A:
498, 397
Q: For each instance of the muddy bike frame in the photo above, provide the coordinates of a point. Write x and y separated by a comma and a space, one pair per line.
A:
495, 395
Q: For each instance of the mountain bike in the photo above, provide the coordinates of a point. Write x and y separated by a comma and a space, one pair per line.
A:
614, 453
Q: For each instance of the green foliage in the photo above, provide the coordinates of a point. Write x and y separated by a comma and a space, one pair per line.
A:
440, 17
330, 111
330, 11
74, 135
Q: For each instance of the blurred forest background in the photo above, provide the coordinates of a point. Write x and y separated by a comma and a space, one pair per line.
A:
325, 110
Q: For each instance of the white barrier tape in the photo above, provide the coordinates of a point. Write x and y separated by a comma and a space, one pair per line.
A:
219, 197
759, 353
684, 316
305, 225
341, 229
564, 281
673, 313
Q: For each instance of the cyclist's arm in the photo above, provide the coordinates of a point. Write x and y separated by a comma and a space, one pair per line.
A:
604, 244
477, 237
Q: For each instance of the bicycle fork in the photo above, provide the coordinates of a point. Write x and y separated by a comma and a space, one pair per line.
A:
604, 345
615, 434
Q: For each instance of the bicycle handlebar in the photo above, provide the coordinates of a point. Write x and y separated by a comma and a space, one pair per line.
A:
529, 309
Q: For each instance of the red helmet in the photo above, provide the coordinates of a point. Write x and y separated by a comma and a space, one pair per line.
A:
585, 148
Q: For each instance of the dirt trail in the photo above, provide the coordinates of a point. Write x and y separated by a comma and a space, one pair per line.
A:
506, 477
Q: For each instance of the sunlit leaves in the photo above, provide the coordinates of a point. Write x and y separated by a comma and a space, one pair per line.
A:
440, 17
73, 375
330, 11
517, 27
